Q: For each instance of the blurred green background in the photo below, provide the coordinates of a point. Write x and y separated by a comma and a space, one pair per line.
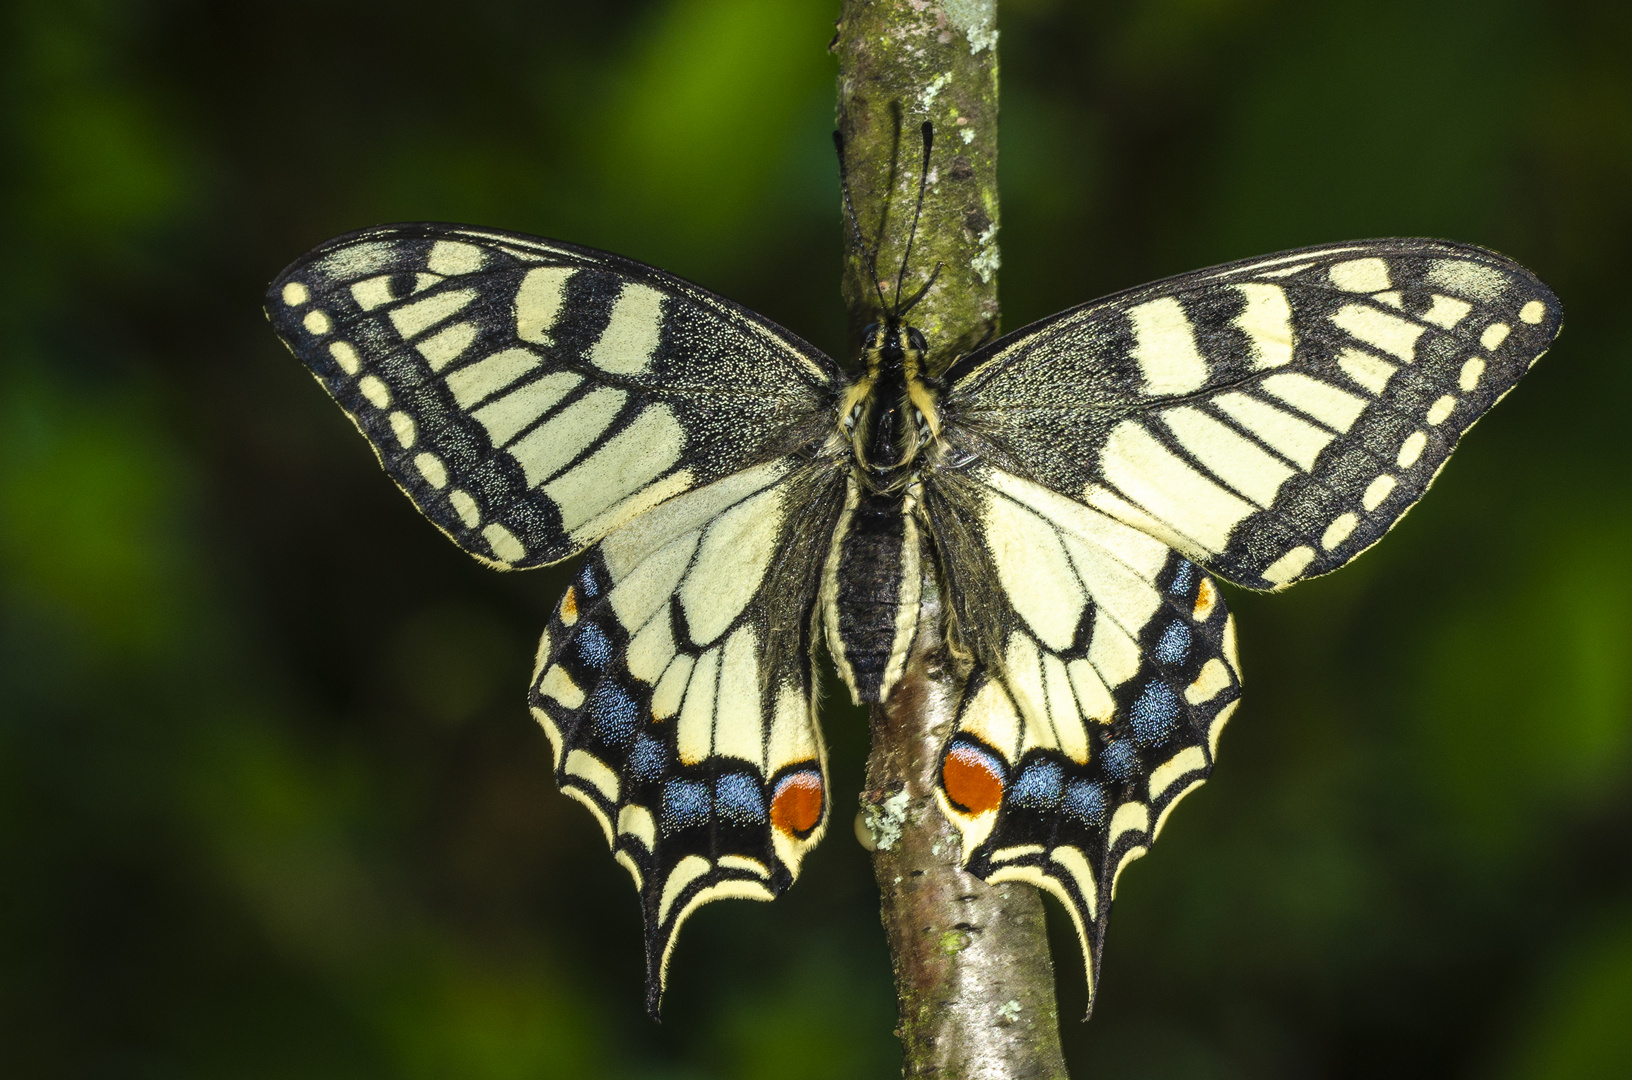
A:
270, 802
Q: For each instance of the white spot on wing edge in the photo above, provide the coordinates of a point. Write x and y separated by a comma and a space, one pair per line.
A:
296, 294
1212, 680
431, 468
1339, 530
402, 425
1129, 817
377, 393
1533, 312
636, 821
1360, 275
346, 356
1290, 565
1378, 490
1439, 410
504, 543
558, 686
595, 772
687, 870
1411, 449
1471, 372
1176, 767
452, 257
464, 504
317, 322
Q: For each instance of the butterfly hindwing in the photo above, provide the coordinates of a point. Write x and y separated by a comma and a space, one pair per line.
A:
530, 395
675, 683
1104, 669
1270, 418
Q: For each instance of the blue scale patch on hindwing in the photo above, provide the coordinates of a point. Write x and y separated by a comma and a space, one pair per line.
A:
739, 799
1039, 785
686, 805
1085, 803
1155, 713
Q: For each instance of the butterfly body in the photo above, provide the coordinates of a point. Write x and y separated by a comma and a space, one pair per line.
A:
873, 576
1072, 489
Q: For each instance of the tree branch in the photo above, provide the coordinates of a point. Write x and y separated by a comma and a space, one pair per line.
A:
972, 970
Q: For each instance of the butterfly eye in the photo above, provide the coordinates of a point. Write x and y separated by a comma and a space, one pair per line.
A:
869, 336
916, 340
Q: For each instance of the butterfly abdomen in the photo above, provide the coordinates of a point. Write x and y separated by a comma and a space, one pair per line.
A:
871, 590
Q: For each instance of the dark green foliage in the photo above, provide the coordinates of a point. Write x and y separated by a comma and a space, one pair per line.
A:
246, 832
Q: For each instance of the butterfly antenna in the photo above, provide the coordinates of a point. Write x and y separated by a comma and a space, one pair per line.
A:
919, 295
928, 132
869, 256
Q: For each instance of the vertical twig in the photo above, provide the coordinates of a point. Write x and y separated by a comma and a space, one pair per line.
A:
972, 971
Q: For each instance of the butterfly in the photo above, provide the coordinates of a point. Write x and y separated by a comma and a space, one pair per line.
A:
1075, 487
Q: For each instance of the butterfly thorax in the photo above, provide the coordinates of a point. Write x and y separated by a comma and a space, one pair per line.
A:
891, 414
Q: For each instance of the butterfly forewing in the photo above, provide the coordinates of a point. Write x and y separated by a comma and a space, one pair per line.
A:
530, 396
1272, 418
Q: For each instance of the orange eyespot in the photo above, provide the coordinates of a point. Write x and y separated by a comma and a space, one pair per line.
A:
569, 606
796, 808
1206, 600
971, 778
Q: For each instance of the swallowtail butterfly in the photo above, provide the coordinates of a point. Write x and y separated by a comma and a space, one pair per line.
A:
1076, 486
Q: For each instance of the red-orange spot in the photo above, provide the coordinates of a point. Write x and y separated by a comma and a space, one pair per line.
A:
569, 606
971, 780
797, 805
1206, 600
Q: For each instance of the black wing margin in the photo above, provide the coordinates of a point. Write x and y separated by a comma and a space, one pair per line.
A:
530, 395
1270, 418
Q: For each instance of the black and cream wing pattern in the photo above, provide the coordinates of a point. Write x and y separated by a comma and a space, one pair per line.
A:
534, 399
1263, 421
1077, 486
